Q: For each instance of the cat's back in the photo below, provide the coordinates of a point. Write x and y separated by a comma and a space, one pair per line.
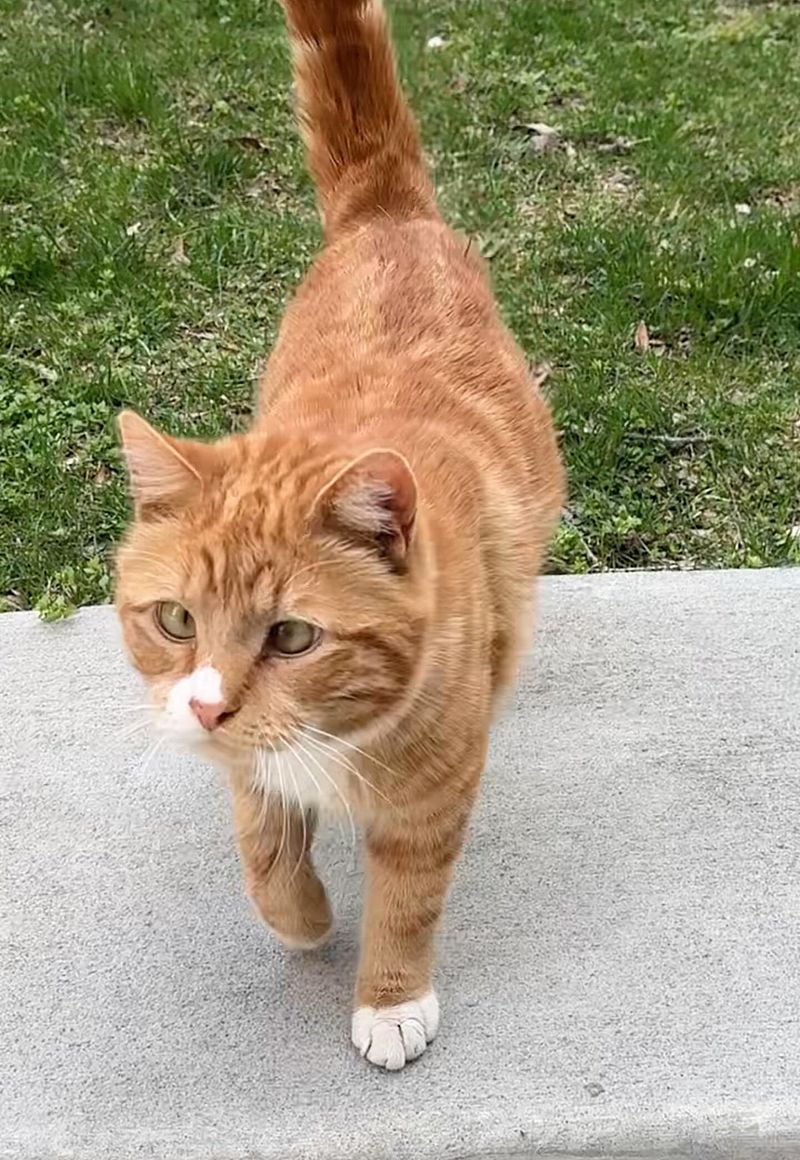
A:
410, 289
404, 312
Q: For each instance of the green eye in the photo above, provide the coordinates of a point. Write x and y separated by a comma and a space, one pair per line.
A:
290, 638
175, 621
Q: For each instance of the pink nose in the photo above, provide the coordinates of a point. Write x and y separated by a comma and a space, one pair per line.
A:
209, 715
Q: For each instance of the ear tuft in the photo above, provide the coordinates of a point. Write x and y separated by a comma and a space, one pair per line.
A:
160, 468
374, 500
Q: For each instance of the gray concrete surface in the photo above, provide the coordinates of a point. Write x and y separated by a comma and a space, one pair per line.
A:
619, 967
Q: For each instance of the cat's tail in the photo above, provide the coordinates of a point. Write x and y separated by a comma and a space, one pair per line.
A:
363, 149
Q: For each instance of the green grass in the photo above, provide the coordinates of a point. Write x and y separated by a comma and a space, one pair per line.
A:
154, 216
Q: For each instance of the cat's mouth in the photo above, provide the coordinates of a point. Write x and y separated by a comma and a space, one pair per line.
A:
225, 740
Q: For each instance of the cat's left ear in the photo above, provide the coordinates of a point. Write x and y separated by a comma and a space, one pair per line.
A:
374, 501
164, 472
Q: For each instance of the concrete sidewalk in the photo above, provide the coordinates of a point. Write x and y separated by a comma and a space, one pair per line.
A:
620, 967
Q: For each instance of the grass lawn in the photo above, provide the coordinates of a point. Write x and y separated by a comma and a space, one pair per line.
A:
154, 216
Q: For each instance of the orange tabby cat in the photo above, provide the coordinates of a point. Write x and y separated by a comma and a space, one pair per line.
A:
330, 604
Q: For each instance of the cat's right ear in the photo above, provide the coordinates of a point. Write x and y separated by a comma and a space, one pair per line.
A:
374, 500
164, 472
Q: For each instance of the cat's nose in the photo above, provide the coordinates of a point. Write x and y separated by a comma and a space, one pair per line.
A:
209, 714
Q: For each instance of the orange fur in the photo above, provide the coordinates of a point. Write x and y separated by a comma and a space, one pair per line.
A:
397, 488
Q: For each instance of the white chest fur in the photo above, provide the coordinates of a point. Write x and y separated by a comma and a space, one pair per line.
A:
308, 775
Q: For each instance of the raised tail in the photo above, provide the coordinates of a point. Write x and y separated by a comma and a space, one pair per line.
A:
363, 148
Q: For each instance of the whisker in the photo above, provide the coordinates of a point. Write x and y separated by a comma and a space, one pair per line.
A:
355, 748
145, 757
265, 771
257, 785
131, 730
301, 854
257, 771
307, 770
89, 702
345, 763
323, 747
284, 815
151, 755
331, 780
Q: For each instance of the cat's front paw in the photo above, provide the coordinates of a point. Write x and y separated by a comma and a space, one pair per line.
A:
297, 912
391, 1037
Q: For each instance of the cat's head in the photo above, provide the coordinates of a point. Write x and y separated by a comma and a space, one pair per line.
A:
271, 584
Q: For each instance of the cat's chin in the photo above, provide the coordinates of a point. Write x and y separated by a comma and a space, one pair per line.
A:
197, 742
188, 736
208, 747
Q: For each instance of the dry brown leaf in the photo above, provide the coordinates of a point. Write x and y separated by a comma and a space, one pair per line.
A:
179, 253
459, 84
544, 138
263, 186
102, 476
787, 198
540, 128
641, 339
617, 146
620, 183
248, 142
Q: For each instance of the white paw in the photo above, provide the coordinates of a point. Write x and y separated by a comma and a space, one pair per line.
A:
392, 1036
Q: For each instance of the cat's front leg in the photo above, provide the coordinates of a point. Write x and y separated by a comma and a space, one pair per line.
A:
410, 860
279, 877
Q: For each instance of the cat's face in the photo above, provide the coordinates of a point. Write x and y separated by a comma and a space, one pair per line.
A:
267, 586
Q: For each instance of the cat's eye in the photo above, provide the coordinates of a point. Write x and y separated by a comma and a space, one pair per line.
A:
291, 638
175, 621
